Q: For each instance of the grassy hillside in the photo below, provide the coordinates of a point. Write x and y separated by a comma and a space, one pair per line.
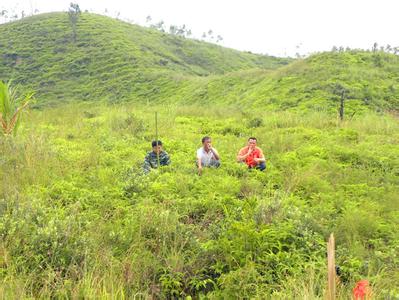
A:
370, 81
116, 61
79, 220
110, 59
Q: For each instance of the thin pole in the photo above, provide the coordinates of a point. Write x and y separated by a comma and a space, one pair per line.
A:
331, 267
342, 106
156, 135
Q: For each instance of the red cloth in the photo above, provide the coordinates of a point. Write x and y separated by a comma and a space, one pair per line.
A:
250, 160
362, 290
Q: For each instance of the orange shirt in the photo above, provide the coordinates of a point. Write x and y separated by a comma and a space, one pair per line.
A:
250, 159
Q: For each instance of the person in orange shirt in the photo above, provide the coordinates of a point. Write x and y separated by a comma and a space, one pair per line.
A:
252, 155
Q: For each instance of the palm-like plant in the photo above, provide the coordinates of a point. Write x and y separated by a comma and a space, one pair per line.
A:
11, 106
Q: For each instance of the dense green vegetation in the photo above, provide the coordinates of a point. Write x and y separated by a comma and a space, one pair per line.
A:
79, 218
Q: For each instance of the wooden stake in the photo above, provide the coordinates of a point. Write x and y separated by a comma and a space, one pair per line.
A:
156, 135
342, 106
331, 267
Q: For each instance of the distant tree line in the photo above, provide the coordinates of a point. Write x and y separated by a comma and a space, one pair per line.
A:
375, 48
182, 31
13, 14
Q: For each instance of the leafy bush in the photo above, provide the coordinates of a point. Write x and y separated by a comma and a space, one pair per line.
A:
11, 107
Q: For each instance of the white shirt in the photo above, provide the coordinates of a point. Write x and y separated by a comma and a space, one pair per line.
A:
206, 157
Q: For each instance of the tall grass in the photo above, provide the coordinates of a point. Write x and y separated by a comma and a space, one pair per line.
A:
78, 218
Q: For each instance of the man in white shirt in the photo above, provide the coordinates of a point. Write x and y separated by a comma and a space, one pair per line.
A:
207, 156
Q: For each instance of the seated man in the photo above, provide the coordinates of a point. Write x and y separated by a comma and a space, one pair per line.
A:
252, 155
151, 159
207, 156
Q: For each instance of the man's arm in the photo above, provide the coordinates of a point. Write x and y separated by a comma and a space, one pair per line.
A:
242, 155
147, 164
261, 157
199, 161
199, 165
165, 159
215, 153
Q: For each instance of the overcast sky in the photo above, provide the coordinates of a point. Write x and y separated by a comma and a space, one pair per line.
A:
275, 27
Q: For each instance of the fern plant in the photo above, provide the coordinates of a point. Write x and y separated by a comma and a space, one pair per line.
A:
11, 107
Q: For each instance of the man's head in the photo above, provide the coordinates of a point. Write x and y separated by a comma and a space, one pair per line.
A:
252, 142
207, 142
156, 146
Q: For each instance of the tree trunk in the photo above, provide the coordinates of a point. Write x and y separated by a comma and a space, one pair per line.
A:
342, 106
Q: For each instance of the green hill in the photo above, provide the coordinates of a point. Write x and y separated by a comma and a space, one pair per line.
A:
110, 59
370, 81
116, 61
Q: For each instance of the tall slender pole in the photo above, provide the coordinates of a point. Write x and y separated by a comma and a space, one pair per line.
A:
156, 136
331, 267
342, 106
